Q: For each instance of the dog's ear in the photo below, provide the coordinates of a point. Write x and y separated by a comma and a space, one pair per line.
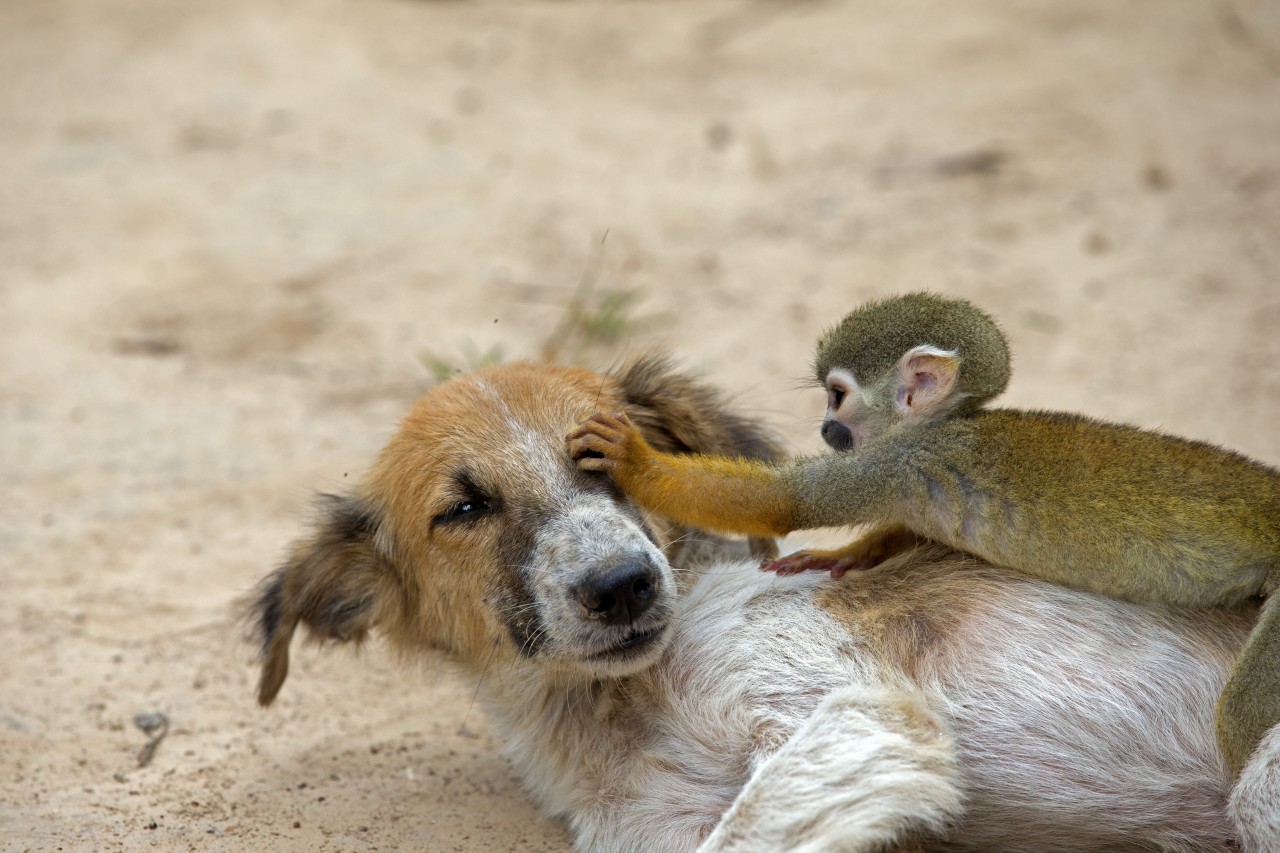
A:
679, 414
331, 582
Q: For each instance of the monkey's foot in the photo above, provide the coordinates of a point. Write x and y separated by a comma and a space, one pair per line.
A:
836, 562
865, 553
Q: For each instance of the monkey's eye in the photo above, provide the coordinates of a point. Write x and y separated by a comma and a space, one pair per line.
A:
835, 396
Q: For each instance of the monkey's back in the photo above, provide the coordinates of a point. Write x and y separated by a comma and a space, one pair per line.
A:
1132, 513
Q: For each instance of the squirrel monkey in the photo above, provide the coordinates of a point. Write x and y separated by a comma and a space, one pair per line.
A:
1114, 509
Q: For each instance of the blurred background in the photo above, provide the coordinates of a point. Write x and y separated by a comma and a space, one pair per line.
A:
238, 238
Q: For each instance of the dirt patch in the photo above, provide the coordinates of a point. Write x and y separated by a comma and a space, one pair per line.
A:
231, 233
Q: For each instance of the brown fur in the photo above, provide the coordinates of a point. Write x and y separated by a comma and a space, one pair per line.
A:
386, 557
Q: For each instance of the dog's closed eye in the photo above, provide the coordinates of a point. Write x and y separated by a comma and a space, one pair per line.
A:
474, 503
467, 509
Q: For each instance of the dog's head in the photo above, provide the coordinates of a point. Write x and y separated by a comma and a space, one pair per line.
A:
475, 533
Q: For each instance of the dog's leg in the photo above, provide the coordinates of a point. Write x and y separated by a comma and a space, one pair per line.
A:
873, 768
1255, 801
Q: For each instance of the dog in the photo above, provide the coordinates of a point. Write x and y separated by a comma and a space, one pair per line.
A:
658, 693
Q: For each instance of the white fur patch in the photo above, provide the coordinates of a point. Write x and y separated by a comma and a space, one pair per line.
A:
1061, 722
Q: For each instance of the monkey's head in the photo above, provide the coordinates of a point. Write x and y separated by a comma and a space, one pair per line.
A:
907, 359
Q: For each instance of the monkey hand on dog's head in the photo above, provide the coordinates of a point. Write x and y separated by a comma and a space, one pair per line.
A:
734, 495
609, 442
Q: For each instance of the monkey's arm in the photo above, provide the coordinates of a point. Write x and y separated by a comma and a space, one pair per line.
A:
711, 492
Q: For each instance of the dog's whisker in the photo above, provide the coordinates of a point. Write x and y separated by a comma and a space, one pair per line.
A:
493, 647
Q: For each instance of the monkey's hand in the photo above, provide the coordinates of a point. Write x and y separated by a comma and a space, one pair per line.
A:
869, 551
609, 442
708, 492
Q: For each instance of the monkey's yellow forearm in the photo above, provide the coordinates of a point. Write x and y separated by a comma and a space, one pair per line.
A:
710, 492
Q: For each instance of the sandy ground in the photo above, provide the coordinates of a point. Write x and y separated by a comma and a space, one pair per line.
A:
230, 232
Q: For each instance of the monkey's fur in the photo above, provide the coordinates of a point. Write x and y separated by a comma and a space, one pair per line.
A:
870, 342
1114, 509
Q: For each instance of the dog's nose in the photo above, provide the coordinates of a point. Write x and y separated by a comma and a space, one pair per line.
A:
620, 595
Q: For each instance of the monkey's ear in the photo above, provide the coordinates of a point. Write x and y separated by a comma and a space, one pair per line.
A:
927, 382
332, 583
679, 414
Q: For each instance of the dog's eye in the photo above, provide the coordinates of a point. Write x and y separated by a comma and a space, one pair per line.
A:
468, 509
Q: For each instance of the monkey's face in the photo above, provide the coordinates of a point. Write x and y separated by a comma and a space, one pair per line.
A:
853, 414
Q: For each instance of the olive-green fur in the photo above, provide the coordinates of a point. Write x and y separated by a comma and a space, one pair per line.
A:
1113, 509
1127, 512
871, 339
1250, 703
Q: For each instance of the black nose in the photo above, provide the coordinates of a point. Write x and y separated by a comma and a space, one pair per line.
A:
837, 435
620, 595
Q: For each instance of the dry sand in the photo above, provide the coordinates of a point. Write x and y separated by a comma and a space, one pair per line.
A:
230, 231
